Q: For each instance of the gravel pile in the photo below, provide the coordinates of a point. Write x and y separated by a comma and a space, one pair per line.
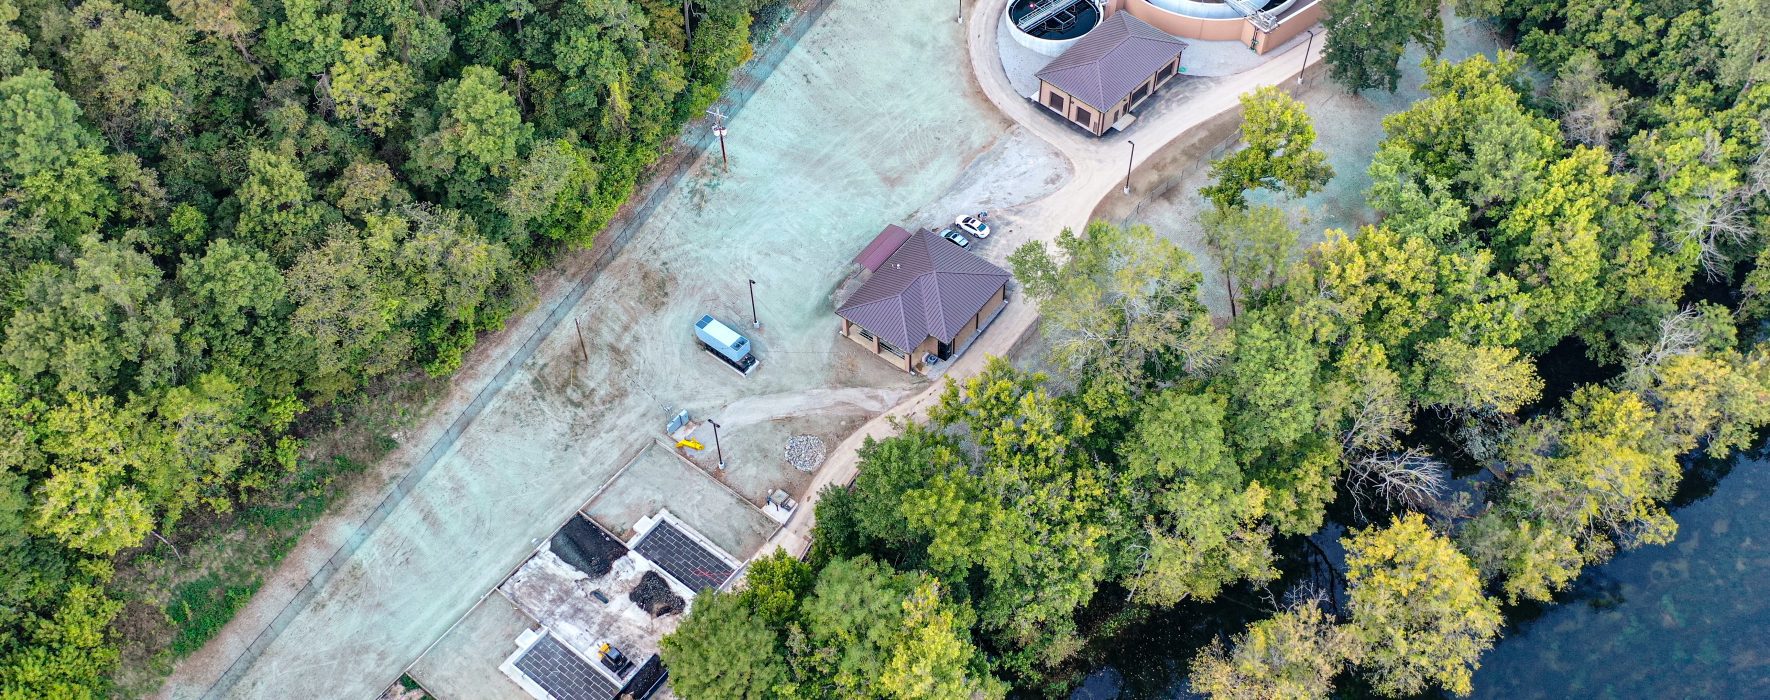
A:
805, 452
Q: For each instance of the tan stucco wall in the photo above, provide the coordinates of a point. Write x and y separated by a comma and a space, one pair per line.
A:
1069, 107
1293, 25
1100, 126
1185, 27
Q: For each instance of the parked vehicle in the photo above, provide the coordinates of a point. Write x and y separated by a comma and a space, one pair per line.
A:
973, 226
957, 238
731, 347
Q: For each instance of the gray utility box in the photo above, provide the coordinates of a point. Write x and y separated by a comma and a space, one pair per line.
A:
726, 344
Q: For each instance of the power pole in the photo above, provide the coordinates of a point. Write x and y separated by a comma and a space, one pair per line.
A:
581, 347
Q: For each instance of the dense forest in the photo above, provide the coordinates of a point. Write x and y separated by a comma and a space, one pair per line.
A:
1490, 389
223, 215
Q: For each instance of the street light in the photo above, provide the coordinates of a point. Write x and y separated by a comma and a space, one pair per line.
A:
755, 322
1306, 46
1128, 162
719, 131
724, 160
716, 447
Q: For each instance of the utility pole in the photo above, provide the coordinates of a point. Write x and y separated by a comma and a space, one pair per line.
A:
1306, 46
755, 321
1128, 162
719, 131
581, 347
716, 447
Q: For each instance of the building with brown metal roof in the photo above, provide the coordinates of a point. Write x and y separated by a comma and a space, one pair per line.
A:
1110, 71
922, 297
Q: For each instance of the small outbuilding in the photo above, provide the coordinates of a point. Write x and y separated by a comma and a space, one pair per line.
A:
1109, 72
922, 297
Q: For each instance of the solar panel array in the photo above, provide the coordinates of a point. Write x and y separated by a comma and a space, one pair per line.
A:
563, 674
684, 558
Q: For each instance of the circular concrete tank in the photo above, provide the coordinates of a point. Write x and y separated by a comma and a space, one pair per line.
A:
1050, 26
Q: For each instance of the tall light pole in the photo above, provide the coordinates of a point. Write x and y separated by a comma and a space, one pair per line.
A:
755, 322
716, 447
1306, 46
1128, 162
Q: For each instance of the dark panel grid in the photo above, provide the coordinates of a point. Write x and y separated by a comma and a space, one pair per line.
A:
685, 559
563, 674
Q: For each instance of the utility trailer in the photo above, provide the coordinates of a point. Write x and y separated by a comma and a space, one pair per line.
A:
731, 347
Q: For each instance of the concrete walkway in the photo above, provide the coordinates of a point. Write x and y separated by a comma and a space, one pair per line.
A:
1099, 166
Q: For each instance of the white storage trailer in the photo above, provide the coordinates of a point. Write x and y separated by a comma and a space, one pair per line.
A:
726, 344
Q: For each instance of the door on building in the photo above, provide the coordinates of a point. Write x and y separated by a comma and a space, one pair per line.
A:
943, 351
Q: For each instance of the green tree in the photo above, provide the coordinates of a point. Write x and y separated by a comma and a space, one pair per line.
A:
1417, 608
1122, 302
305, 40
47, 155
1255, 246
1293, 655
100, 326
722, 649
89, 502
1204, 518
871, 632
1278, 154
277, 209
1742, 29
480, 132
774, 585
130, 72
370, 88
1365, 39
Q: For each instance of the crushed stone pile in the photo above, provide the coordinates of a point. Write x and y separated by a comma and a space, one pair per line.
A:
586, 547
805, 452
653, 596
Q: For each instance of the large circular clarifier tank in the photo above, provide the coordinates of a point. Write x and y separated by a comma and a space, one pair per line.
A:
1050, 26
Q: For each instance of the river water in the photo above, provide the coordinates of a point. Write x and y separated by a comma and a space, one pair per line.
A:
1686, 620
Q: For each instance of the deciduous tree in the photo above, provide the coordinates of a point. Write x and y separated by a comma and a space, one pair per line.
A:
1417, 608
1278, 152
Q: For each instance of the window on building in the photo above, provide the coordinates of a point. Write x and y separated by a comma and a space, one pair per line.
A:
1141, 92
863, 333
1055, 100
1084, 118
888, 348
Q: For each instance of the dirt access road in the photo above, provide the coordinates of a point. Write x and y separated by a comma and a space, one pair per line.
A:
1099, 167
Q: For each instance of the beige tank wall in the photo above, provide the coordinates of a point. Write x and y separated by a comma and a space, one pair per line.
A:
1293, 25
1184, 27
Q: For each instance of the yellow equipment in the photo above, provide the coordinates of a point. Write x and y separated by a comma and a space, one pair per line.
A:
690, 444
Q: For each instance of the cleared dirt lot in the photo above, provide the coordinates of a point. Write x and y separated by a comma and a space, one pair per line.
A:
802, 195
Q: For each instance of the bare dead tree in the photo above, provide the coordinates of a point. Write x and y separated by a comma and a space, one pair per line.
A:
1678, 335
1410, 478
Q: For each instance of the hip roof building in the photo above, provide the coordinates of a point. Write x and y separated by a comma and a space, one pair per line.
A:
923, 296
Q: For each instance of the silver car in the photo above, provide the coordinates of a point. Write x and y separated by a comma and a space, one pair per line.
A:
957, 238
